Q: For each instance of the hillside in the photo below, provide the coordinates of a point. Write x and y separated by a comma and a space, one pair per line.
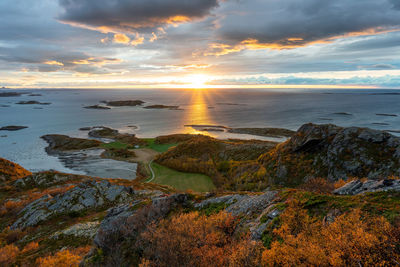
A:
51, 218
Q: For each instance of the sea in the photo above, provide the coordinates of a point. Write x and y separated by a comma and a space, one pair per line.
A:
278, 108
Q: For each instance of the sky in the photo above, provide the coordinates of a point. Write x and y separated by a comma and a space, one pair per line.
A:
200, 43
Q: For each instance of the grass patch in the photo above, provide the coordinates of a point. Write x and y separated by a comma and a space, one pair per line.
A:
158, 147
182, 180
117, 145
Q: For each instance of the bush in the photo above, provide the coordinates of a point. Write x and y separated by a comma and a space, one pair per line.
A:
197, 240
353, 239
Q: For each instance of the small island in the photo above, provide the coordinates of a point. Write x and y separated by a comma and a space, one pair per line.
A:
9, 94
266, 132
31, 102
12, 128
124, 103
162, 107
96, 107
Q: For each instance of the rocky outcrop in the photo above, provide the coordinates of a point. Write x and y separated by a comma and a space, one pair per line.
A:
59, 142
103, 132
85, 230
85, 196
241, 205
11, 171
334, 152
45, 180
357, 187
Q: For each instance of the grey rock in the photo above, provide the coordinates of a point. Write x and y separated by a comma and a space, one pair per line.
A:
88, 230
90, 195
357, 187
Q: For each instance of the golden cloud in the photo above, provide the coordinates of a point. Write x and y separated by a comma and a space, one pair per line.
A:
121, 38
220, 49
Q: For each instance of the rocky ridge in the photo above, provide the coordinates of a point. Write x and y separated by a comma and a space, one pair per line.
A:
89, 195
334, 152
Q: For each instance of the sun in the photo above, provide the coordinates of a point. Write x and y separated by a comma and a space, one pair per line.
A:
197, 81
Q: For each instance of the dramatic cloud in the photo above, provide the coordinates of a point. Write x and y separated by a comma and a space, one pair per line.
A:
287, 24
133, 16
64, 43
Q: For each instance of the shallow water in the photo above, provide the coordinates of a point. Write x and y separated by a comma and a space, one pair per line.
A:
229, 107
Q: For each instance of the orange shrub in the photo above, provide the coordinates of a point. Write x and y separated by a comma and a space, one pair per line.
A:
351, 240
197, 240
31, 246
318, 185
8, 255
62, 258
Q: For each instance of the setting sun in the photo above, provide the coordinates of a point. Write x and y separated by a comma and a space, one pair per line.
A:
198, 81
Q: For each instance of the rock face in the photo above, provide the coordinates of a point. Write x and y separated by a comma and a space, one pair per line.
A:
334, 152
90, 195
65, 143
357, 187
11, 171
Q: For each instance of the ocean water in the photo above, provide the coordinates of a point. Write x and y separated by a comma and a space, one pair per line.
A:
229, 107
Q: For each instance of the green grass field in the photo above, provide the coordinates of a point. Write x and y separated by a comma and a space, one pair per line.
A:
182, 180
116, 144
158, 147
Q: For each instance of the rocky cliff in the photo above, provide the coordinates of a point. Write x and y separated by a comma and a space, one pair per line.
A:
335, 153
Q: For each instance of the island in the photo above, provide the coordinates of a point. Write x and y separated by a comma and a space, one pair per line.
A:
9, 94
267, 132
124, 103
12, 128
162, 107
96, 107
32, 102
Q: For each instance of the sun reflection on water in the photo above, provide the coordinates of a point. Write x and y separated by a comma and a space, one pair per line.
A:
198, 113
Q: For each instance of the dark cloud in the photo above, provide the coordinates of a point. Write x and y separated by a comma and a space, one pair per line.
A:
293, 23
132, 16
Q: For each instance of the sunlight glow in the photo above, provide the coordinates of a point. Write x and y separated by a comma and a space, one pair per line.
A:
198, 81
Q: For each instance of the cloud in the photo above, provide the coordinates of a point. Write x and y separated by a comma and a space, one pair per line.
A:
121, 38
127, 16
287, 24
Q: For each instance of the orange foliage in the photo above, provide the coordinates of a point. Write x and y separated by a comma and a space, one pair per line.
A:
197, 240
318, 185
64, 258
30, 247
8, 255
12, 170
351, 240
